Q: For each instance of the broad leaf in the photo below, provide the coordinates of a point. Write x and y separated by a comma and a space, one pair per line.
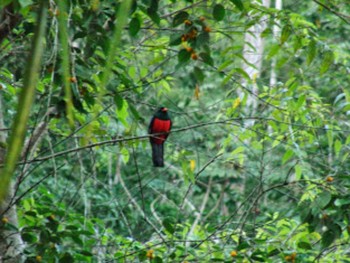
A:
327, 61
207, 58
323, 199
238, 4
311, 52
219, 12
180, 18
183, 55
286, 32
134, 26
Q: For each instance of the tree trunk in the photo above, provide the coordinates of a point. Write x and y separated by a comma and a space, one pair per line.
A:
11, 244
253, 53
276, 28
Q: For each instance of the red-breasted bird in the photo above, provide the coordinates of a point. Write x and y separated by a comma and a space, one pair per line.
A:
160, 123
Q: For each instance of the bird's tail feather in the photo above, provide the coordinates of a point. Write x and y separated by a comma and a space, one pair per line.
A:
157, 154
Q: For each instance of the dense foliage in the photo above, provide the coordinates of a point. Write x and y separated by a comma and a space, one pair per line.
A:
241, 183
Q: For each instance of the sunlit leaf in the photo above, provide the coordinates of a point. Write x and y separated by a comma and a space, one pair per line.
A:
298, 171
236, 103
286, 32
311, 52
288, 154
327, 61
337, 147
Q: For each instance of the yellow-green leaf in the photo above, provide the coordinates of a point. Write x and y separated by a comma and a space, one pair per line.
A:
327, 61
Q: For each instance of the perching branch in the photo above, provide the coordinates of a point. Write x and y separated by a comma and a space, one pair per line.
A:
114, 141
144, 137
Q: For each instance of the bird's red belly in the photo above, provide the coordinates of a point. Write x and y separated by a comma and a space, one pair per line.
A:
160, 126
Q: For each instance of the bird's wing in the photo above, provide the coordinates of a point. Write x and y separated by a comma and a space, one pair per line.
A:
150, 131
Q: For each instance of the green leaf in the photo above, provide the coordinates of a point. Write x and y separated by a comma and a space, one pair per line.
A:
243, 245
330, 136
154, 5
67, 258
273, 252
152, 13
134, 26
122, 109
5, 2
328, 237
300, 101
337, 147
238, 4
341, 202
286, 32
175, 40
311, 52
327, 61
168, 225
77, 240
25, 3
298, 171
267, 32
323, 199
219, 12
86, 253
243, 73
198, 74
179, 18
207, 58
225, 64
191, 177
238, 150
125, 155
183, 55
203, 39
119, 101
134, 112
273, 51
29, 237
258, 256
288, 154
304, 245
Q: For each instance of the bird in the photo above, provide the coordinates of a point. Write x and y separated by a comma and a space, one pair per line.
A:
161, 125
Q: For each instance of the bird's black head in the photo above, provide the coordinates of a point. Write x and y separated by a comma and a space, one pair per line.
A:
162, 113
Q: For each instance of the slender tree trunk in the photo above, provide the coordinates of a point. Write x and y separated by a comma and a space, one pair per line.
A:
276, 28
11, 244
253, 53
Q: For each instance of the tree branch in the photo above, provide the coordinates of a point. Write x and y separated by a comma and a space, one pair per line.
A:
342, 16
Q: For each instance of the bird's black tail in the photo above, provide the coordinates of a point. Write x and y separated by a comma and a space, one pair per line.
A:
157, 154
